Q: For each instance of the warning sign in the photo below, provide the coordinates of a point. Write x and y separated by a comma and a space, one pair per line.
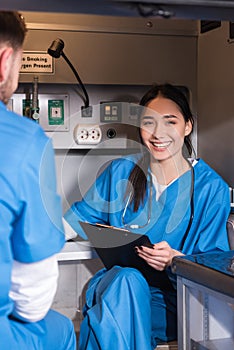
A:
37, 62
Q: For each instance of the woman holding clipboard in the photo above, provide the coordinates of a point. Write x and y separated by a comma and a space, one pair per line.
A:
181, 204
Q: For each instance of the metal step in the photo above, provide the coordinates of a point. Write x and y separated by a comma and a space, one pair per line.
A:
167, 346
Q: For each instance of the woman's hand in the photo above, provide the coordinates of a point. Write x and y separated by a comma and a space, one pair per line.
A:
159, 256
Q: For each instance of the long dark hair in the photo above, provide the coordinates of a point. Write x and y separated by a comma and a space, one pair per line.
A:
138, 176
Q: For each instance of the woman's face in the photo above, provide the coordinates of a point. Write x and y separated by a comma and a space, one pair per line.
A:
163, 128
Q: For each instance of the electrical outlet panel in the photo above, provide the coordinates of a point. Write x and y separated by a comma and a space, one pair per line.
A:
88, 134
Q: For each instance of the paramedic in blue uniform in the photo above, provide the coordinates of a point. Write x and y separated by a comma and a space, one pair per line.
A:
179, 202
31, 230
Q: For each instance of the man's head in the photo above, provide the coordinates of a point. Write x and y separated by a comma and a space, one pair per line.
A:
12, 34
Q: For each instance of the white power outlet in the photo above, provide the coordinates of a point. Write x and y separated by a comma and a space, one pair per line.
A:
88, 134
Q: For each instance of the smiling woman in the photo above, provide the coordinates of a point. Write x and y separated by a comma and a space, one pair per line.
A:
166, 125
182, 205
163, 134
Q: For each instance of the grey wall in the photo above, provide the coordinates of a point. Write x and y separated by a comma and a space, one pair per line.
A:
111, 50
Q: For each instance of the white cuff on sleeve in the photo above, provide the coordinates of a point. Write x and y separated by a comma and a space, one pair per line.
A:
33, 287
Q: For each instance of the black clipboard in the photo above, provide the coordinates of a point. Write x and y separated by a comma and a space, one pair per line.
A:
116, 246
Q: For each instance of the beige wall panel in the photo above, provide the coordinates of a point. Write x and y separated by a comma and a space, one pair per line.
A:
215, 101
113, 58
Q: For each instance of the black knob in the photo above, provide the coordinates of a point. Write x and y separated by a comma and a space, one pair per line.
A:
111, 133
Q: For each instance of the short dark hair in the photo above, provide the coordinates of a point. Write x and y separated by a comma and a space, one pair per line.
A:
12, 29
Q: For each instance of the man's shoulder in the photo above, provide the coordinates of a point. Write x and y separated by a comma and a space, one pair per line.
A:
25, 139
20, 128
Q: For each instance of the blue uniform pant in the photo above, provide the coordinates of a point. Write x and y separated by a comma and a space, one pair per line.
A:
122, 312
54, 332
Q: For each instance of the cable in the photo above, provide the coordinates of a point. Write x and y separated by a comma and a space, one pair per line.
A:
86, 97
56, 50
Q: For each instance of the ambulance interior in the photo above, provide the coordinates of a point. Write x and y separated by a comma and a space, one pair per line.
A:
118, 50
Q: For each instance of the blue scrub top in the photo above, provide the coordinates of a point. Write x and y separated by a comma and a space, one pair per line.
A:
134, 326
105, 202
30, 210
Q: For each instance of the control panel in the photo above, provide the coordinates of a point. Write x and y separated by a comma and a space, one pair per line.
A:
110, 112
105, 125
